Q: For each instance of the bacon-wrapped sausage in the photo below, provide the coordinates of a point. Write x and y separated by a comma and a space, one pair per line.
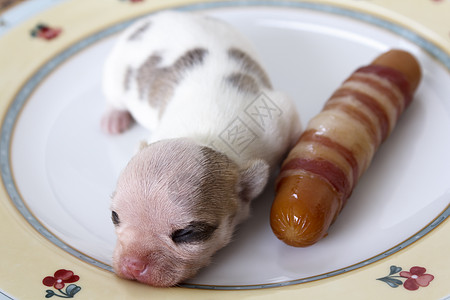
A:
321, 171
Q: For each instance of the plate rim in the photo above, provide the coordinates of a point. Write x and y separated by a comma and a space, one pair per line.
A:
15, 107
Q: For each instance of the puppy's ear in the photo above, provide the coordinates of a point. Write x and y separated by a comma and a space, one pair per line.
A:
253, 179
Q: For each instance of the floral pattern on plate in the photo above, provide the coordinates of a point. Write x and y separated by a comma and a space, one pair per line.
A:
415, 278
58, 281
45, 32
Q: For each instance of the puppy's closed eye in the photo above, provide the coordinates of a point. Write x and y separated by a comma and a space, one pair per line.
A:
194, 232
115, 218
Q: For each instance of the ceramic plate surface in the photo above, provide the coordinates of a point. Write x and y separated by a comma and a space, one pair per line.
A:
63, 168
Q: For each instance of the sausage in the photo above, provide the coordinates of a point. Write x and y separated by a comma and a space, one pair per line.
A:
337, 146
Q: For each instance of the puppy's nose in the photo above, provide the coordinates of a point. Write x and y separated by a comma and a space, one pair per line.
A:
134, 267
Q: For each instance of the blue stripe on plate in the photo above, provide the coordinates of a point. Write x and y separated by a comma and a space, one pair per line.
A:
4, 296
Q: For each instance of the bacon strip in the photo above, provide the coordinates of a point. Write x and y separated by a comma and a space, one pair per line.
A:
326, 137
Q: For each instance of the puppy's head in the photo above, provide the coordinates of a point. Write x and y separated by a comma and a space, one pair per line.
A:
177, 203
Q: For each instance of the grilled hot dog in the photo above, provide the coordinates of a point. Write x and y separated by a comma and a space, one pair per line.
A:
338, 145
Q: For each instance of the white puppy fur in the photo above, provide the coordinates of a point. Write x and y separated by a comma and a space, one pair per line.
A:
217, 130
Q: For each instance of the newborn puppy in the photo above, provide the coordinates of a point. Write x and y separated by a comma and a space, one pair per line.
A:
217, 130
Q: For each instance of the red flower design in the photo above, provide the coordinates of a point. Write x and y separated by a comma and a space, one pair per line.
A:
49, 33
45, 32
60, 278
416, 278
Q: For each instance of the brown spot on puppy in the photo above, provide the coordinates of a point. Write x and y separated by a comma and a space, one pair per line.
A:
220, 176
147, 73
243, 82
159, 82
250, 66
209, 187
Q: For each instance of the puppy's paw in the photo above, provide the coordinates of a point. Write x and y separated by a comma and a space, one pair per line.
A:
116, 121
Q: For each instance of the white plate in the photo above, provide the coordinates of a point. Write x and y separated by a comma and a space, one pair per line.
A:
65, 168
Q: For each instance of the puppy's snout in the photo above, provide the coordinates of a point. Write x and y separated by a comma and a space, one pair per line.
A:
133, 267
